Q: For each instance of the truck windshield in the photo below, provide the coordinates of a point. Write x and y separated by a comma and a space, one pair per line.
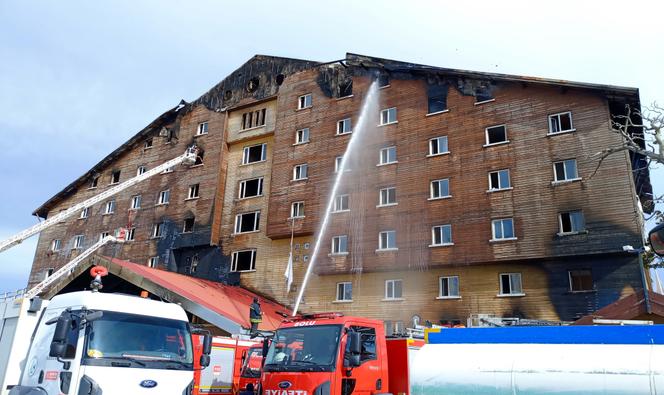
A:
304, 349
130, 340
251, 366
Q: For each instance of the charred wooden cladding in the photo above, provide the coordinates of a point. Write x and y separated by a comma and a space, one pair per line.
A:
475, 194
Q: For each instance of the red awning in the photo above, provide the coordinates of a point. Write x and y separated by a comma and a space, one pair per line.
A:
222, 305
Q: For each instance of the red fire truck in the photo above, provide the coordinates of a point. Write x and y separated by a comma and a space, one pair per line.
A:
234, 366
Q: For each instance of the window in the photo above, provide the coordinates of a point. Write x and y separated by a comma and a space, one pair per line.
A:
387, 240
78, 241
115, 177
441, 235
565, 170
253, 119
388, 155
346, 88
251, 188
438, 146
302, 136
254, 153
103, 235
93, 182
344, 126
304, 101
188, 226
46, 274
437, 98
560, 123
136, 202
341, 203
193, 191
110, 207
503, 229
496, 135
243, 261
344, 292
157, 230
499, 180
194, 263
510, 284
448, 287
56, 245
84, 213
388, 116
340, 244
140, 170
383, 80
393, 289
440, 188
297, 210
387, 196
147, 144
130, 235
153, 262
581, 280
300, 172
164, 197
571, 222
247, 222
337, 164
202, 128
199, 158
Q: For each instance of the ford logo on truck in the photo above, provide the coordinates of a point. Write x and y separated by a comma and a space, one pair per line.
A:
148, 384
284, 384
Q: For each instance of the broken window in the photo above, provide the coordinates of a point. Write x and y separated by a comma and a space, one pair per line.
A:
79, 240
94, 181
483, 94
84, 213
251, 188
387, 155
437, 98
496, 135
499, 180
195, 260
559, 123
153, 261
387, 240
300, 172
115, 177
254, 153
302, 136
243, 261
188, 226
393, 289
344, 126
199, 158
441, 235
164, 197
140, 170
448, 287
581, 280
109, 208
297, 210
157, 230
387, 196
572, 222
202, 128
148, 143
193, 191
510, 284
440, 188
130, 235
247, 222
503, 229
253, 119
346, 88
565, 170
340, 244
438, 146
344, 292
383, 80
341, 203
136, 202
56, 244
304, 101
388, 116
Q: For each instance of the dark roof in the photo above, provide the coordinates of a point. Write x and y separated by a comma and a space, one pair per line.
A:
627, 308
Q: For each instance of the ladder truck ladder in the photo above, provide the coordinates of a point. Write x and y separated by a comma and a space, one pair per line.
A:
189, 157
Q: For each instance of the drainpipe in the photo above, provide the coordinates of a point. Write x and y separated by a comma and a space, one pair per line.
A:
644, 283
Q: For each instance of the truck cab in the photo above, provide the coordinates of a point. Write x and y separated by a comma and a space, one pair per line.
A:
324, 354
93, 343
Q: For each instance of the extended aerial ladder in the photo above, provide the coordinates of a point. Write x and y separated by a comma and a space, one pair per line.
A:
189, 157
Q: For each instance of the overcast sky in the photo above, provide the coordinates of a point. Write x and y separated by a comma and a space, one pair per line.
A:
78, 78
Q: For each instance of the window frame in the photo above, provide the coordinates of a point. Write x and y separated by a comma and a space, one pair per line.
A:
393, 282
387, 234
297, 172
437, 139
339, 245
242, 188
502, 229
202, 128
561, 231
387, 117
85, 213
303, 132
571, 289
185, 223
387, 151
449, 295
387, 202
157, 230
113, 177
300, 204
442, 243
194, 191
335, 208
234, 257
140, 170
109, 207
564, 167
341, 286
500, 188
486, 135
238, 222
79, 241
557, 115
130, 234
511, 286
431, 189
302, 101
153, 261
56, 245
246, 154
134, 200
341, 126
164, 197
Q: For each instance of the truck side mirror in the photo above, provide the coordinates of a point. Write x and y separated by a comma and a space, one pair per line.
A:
355, 339
656, 238
59, 342
266, 346
207, 349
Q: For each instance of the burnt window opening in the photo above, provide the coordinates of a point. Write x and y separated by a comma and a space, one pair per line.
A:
199, 157
194, 263
496, 135
346, 88
383, 80
254, 153
253, 119
188, 225
280, 79
581, 280
243, 261
247, 222
115, 177
94, 181
251, 188
148, 143
252, 85
437, 98
482, 94
228, 95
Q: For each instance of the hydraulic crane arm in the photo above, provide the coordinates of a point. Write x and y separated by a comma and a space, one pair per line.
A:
189, 157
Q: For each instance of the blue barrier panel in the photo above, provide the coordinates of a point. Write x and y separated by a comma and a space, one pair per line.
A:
629, 334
